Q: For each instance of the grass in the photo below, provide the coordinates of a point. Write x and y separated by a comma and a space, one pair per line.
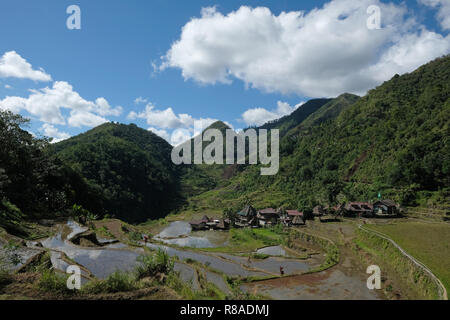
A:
151, 265
428, 242
248, 240
411, 280
53, 282
116, 282
104, 231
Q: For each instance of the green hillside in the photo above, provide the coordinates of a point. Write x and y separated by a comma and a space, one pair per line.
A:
129, 168
394, 140
290, 121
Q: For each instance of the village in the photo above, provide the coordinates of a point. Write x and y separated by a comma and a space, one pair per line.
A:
250, 217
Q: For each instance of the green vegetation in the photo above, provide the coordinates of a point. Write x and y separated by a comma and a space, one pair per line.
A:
53, 282
290, 121
247, 239
151, 265
389, 258
330, 248
129, 169
116, 282
428, 242
395, 140
32, 184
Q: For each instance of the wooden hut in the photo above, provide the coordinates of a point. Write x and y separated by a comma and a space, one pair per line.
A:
294, 217
385, 207
268, 216
247, 217
201, 224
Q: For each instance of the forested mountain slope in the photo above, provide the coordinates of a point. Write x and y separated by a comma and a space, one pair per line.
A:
128, 167
394, 140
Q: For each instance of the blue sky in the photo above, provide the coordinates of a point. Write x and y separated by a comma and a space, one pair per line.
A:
241, 65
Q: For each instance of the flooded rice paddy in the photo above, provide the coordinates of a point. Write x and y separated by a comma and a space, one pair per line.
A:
178, 240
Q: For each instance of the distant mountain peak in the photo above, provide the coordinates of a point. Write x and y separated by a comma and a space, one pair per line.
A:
220, 125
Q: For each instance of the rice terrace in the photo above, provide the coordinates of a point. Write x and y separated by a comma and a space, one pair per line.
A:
222, 158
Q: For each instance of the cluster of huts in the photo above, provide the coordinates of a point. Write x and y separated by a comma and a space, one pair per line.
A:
250, 217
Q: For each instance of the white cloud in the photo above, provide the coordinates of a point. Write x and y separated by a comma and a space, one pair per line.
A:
14, 66
52, 132
162, 133
7, 86
443, 14
179, 136
167, 119
140, 100
84, 119
182, 125
323, 52
259, 116
47, 103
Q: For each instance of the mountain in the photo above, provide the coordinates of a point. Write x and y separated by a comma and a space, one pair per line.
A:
128, 169
290, 121
394, 140
328, 111
198, 178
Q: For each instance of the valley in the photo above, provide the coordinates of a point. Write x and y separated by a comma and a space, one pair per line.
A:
111, 202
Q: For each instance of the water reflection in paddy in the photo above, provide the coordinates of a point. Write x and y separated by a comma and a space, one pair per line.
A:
101, 262
273, 251
180, 233
210, 260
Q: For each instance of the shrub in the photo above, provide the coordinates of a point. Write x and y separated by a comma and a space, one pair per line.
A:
260, 256
135, 236
54, 283
80, 212
150, 265
116, 282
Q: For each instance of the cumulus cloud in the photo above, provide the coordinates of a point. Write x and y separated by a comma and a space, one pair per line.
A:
182, 125
323, 52
259, 116
167, 119
140, 100
47, 104
179, 136
14, 66
162, 133
7, 86
443, 14
52, 132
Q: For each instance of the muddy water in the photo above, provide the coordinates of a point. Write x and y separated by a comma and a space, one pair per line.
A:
187, 274
270, 265
214, 262
218, 281
332, 284
101, 262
